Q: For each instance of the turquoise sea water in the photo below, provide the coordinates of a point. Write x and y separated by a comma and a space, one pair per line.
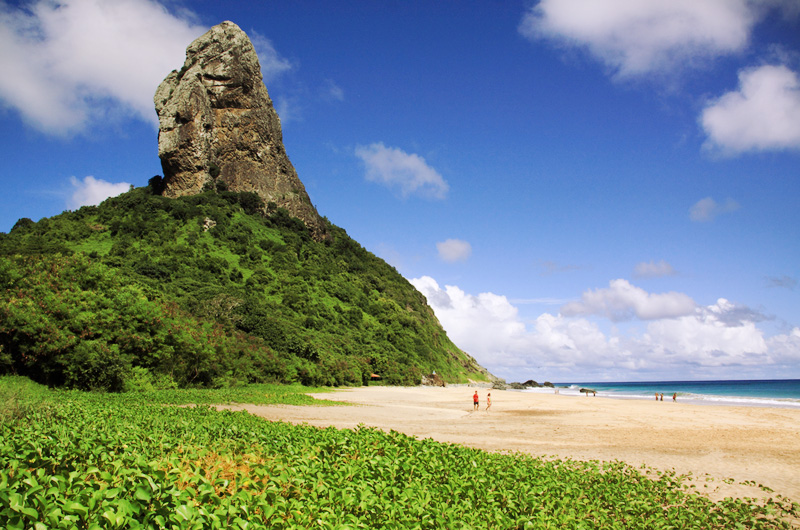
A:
759, 393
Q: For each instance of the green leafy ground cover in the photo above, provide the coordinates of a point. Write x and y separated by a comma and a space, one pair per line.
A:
71, 459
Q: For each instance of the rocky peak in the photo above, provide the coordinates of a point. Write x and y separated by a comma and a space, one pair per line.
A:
217, 125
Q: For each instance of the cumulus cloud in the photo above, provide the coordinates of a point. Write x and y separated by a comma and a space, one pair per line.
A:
653, 269
92, 191
489, 327
762, 114
453, 250
76, 61
733, 315
711, 336
623, 301
407, 173
486, 322
784, 348
715, 339
635, 38
708, 209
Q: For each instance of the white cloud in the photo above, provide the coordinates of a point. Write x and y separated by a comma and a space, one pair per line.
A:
331, 91
490, 328
708, 209
289, 108
453, 250
635, 37
75, 61
653, 269
92, 191
712, 341
707, 338
408, 173
486, 323
763, 114
272, 63
623, 301
784, 348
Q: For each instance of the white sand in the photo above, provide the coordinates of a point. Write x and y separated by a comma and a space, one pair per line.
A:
713, 443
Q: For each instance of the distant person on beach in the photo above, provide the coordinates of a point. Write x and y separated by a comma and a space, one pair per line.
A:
675, 397
488, 401
475, 400
662, 397
656, 396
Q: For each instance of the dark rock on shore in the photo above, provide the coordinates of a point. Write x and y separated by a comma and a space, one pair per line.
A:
530, 383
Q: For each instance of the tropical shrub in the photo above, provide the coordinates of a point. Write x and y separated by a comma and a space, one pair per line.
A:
143, 282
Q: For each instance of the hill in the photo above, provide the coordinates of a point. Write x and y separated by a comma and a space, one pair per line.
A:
213, 289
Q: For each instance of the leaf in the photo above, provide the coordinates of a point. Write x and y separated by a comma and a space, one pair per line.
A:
142, 494
184, 512
16, 502
75, 508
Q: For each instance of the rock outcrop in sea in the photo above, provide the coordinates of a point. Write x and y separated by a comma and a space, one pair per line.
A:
218, 126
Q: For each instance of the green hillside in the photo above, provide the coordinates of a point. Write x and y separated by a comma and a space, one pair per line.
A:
147, 292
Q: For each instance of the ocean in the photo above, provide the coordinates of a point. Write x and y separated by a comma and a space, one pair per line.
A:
756, 393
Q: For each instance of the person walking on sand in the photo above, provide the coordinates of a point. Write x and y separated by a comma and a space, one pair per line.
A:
475, 401
675, 397
488, 401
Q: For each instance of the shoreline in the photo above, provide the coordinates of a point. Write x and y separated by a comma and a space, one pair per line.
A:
712, 400
728, 451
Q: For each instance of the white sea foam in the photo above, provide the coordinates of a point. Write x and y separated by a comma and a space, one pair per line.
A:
683, 397
743, 401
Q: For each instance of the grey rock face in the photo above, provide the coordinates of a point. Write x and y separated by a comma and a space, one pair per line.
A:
217, 124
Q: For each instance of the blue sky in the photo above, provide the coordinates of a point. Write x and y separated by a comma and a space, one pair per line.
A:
583, 193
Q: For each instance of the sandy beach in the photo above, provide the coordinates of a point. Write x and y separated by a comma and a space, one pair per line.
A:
721, 447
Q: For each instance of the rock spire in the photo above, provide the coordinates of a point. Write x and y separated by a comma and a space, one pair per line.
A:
217, 125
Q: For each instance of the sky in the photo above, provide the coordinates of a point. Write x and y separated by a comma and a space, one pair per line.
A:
584, 191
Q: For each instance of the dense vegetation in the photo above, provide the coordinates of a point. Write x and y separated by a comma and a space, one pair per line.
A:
71, 459
206, 290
